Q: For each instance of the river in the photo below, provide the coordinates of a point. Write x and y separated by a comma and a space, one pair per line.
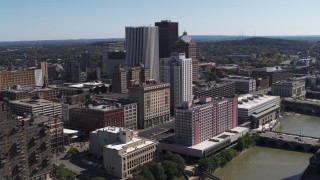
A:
309, 125
261, 163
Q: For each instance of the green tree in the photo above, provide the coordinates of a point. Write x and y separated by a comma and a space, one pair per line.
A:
168, 156
170, 169
157, 171
146, 173
180, 162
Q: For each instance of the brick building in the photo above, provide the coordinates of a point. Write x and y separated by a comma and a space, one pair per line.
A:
94, 117
20, 77
29, 92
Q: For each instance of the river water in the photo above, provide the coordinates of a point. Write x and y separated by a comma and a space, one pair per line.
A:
261, 163
309, 125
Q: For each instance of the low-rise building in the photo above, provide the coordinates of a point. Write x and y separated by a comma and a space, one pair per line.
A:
208, 147
243, 85
29, 92
92, 117
222, 89
260, 109
36, 106
122, 150
289, 89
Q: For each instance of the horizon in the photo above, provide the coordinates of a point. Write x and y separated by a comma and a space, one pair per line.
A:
79, 19
246, 36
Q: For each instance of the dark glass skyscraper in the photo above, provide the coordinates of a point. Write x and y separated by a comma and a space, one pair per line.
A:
168, 34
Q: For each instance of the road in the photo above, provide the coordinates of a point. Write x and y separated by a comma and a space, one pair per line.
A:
155, 131
291, 138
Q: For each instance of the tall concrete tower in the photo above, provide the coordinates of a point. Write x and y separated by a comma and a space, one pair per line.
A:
178, 72
142, 44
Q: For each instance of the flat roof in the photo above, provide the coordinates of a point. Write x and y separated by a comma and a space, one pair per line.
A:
110, 129
69, 131
105, 107
254, 100
218, 138
33, 102
118, 146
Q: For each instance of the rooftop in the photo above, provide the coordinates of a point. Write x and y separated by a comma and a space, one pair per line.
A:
33, 102
119, 146
110, 129
249, 101
219, 138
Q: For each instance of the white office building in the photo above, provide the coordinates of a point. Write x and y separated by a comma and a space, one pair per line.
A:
122, 150
142, 44
177, 70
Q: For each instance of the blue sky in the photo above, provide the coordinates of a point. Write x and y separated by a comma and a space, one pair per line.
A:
76, 19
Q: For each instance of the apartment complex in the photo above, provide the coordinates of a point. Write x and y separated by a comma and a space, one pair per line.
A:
288, 89
153, 100
214, 90
243, 85
178, 72
55, 129
24, 149
19, 77
36, 106
142, 47
186, 45
260, 109
123, 77
201, 121
121, 158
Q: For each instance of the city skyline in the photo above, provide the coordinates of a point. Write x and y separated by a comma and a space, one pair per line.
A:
56, 20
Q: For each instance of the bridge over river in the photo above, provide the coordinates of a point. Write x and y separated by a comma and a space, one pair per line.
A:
289, 141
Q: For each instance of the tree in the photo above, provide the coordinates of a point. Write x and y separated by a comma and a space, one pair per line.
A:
157, 171
146, 173
180, 163
205, 164
168, 156
170, 169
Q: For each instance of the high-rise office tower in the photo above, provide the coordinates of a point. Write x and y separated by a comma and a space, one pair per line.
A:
168, 34
142, 44
185, 44
72, 71
177, 71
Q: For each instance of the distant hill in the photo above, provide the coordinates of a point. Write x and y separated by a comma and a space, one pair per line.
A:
215, 38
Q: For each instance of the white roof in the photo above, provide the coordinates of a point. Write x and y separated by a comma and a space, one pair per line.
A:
206, 144
69, 131
255, 102
109, 129
119, 145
